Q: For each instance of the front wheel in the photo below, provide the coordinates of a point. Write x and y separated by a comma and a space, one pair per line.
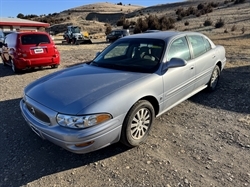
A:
214, 79
137, 123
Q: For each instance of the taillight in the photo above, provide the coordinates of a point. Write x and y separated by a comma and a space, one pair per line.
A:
19, 52
55, 48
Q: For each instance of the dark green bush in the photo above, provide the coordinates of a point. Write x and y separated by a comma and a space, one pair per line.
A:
239, 1
208, 22
200, 6
108, 28
126, 24
233, 28
121, 21
220, 23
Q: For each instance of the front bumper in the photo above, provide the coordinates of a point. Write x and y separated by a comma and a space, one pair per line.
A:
92, 138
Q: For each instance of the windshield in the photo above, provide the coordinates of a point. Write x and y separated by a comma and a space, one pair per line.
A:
139, 55
76, 30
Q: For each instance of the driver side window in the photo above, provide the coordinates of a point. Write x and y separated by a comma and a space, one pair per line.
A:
179, 49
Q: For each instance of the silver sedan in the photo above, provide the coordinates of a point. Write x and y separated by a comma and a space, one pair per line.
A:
117, 96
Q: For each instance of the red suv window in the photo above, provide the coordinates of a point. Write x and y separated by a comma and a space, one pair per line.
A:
34, 39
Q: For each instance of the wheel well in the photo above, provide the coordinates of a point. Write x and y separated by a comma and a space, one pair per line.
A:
154, 103
219, 64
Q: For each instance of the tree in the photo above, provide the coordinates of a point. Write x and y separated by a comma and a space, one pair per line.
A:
108, 29
20, 15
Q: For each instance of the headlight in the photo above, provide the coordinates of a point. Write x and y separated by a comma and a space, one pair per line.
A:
80, 122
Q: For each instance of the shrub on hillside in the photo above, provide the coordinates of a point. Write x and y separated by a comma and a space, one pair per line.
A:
198, 14
220, 23
200, 6
243, 30
166, 23
108, 28
233, 28
213, 4
153, 22
191, 11
126, 24
186, 23
179, 18
121, 21
207, 22
239, 1
141, 26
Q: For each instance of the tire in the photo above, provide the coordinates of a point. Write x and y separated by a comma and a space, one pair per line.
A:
3, 59
68, 40
137, 123
54, 66
13, 66
213, 82
4, 63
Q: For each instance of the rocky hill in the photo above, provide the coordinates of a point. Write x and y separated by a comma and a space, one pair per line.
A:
93, 18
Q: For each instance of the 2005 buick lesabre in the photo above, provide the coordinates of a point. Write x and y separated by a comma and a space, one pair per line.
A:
117, 96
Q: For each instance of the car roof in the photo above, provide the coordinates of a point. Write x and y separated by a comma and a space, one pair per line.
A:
163, 35
120, 30
149, 31
32, 32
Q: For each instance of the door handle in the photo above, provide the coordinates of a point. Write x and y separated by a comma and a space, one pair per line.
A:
192, 67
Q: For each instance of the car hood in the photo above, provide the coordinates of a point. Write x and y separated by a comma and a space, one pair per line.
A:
71, 90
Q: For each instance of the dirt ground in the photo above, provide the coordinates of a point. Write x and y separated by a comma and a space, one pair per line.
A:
204, 141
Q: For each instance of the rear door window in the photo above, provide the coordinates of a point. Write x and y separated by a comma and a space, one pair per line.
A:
36, 39
198, 45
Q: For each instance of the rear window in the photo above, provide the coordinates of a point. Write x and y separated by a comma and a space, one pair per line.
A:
34, 39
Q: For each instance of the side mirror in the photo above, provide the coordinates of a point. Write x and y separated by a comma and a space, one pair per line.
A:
174, 62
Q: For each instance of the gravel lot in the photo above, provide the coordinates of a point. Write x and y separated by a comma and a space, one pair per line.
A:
204, 141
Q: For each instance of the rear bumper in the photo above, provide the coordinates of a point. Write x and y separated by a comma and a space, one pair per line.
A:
22, 63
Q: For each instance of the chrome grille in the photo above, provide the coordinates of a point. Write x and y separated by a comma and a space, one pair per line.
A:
37, 113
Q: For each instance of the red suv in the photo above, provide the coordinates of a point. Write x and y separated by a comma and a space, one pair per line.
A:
24, 50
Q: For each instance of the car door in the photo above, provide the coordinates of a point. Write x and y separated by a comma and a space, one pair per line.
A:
203, 57
178, 82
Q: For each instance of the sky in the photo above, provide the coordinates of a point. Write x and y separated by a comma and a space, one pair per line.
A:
11, 8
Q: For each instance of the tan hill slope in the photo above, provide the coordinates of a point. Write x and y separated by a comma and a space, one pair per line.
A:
94, 17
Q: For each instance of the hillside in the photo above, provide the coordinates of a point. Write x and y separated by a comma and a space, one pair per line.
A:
94, 17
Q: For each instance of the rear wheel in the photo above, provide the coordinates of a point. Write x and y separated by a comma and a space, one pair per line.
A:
74, 40
4, 60
137, 123
54, 66
4, 63
13, 66
68, 40
214, 79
